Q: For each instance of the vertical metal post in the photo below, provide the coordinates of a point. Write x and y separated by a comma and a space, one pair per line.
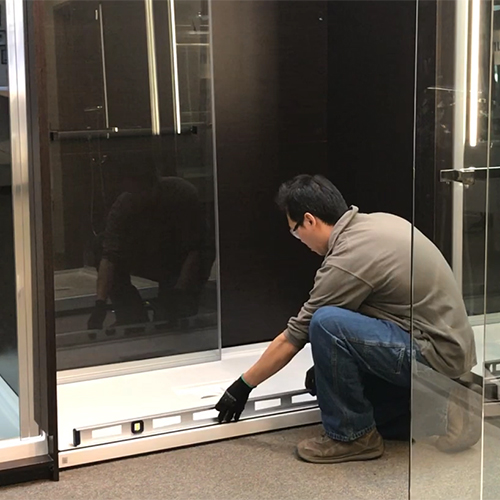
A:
103, 59
175, 67
153, 78
459, 127
21, 210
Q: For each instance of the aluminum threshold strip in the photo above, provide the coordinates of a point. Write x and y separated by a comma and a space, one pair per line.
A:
187, 420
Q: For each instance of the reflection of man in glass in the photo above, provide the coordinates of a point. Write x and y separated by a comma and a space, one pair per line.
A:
153, 231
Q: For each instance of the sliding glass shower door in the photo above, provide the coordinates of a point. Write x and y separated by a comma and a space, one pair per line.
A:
129, 94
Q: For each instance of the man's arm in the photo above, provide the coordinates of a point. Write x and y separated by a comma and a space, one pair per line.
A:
104, 279
190, 271
111, 249
104, 284
275, 357
279, 353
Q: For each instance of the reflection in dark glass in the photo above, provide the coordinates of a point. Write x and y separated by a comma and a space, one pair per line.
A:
153, 231
133, 207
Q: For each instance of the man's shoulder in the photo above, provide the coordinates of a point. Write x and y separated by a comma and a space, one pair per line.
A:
374, 217
369, 235
378, 226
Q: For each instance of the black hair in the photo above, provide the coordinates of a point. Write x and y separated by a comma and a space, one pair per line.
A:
314, 194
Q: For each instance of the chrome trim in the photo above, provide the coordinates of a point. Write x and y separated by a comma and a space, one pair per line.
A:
214, 167
465, 176
103, 58
175, 66
152, 69
21, 209
459, 127
112, 132
475, 35
468, 176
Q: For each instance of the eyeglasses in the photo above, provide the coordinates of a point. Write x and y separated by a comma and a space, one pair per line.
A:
294, 230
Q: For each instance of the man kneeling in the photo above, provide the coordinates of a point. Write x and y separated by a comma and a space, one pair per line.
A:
357, 319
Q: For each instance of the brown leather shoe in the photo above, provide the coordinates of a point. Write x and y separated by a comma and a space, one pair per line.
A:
325, 450
463, 420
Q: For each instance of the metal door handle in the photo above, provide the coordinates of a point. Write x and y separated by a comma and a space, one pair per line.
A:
468, 176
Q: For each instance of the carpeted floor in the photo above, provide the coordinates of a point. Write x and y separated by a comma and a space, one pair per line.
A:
261, 466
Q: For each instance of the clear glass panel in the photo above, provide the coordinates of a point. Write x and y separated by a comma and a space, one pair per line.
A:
9, 369
453, 152
129, 93
491, 462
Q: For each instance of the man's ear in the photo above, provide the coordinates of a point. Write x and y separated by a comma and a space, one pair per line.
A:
309, 219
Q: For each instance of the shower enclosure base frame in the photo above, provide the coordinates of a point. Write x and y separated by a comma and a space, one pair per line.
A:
116, 403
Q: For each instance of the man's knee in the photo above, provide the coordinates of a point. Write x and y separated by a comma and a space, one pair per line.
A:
317, 328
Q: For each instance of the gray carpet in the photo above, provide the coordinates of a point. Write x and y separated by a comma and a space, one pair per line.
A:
262, 466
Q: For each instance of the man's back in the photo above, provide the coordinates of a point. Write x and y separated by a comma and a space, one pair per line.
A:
377, 249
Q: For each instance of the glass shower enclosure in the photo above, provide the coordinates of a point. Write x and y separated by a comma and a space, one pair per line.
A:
131, 164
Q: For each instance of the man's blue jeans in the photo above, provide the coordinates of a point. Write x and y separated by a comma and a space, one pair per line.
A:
363, 373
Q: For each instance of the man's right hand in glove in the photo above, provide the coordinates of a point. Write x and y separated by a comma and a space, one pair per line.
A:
232, 403
97, 316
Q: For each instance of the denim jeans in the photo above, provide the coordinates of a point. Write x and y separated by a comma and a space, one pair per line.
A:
363, 374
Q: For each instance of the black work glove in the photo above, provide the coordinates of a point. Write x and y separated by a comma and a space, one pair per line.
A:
97, 316
310, 381
233, 401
